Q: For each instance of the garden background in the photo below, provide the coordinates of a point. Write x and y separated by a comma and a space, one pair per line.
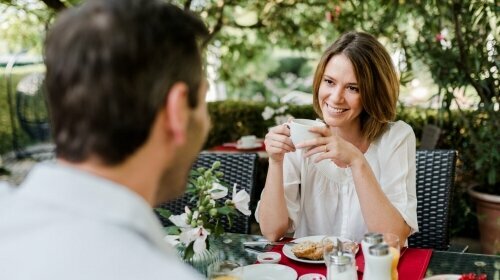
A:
263, 53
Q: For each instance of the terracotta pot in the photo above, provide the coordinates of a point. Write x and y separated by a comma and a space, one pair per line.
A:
488, 215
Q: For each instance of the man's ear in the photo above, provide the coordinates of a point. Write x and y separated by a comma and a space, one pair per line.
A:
177, 112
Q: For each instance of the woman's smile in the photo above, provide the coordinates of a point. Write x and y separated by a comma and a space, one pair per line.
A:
334, 110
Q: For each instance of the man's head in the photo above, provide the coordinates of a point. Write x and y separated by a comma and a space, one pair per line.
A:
126, 87
110, 65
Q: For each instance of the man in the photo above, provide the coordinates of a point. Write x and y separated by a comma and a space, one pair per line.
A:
126, 93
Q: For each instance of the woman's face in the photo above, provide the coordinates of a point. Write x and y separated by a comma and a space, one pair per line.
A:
339, 96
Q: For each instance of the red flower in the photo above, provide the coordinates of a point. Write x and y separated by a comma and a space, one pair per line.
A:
472, 276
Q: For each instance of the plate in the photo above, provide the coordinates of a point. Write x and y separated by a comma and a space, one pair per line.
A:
267, 271
287, 249
444, 277
254, 146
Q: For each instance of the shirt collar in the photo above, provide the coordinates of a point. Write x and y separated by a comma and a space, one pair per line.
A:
94, 197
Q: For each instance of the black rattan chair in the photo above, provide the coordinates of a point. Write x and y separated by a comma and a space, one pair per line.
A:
240, 168
435, 180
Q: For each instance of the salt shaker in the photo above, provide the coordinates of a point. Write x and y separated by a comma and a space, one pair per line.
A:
378, 263
341, 267
370, 239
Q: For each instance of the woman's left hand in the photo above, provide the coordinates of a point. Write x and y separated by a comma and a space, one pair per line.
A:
330, 146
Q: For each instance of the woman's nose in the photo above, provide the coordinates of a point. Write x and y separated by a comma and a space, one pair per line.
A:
336, 94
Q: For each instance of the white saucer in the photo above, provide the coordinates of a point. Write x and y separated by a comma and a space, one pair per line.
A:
444, 277
268, 271
254, 146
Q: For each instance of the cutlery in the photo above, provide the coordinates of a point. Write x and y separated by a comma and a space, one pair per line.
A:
265, 242
255, 250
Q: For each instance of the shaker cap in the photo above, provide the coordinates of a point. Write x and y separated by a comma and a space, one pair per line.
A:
341, 260
379, 250
373, 238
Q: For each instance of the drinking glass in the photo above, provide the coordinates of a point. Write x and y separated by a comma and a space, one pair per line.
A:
339, 259
392, 240
225, 270
334, 246
330, 248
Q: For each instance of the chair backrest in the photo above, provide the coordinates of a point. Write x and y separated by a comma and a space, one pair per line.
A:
430, 136
240, 168
435, 180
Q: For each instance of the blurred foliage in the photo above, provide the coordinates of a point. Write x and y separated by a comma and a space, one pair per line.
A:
6, 134
458, 41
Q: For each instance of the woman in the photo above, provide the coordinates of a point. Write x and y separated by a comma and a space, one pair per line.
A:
359, 175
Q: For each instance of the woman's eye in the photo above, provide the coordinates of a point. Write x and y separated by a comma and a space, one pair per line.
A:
351, 88
330, 82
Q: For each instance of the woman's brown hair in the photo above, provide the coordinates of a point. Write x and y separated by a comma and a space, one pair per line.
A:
376, 76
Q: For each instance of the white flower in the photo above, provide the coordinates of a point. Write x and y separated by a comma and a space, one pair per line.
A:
241, 200
282, 109
195, 215
198, 235
179, 220
172, 239
268, 113
445, 44
217, 191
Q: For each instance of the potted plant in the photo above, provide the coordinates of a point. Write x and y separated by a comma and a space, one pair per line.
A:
458, 41
482, 157
193, 227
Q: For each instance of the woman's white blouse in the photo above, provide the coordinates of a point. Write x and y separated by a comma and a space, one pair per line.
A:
321, 198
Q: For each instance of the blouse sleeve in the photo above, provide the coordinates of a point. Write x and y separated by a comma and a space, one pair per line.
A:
398, 176
291, 183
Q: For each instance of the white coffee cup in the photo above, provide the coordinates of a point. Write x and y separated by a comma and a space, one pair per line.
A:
247, 141
299, 129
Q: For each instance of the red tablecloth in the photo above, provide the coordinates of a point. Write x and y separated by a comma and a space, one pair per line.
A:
232, 147
412, 263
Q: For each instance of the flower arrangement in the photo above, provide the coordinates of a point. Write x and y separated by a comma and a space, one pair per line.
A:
206, 187
280, 116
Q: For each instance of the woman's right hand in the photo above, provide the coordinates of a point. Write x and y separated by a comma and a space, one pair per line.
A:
278, 142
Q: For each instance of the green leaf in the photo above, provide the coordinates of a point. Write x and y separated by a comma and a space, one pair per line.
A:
219, 229
172, 230
216, 164
189, 252
230, 220
165, 213
225, 210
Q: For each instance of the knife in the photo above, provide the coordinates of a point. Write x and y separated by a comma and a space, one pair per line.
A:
265, 242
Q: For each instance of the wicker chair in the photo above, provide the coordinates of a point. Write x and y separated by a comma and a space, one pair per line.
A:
240, 168
435, 179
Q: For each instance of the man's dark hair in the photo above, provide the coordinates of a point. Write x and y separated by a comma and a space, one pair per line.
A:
110, 65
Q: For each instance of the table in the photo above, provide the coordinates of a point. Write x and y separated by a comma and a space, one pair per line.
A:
442, 262
231, 148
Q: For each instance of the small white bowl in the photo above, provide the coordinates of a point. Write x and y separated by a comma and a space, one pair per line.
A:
269, 257
312, 276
